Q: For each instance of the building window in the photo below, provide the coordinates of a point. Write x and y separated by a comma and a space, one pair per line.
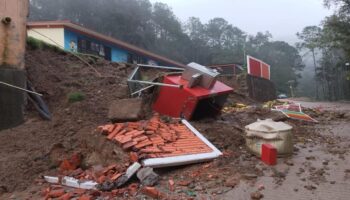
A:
86, 46
136, 59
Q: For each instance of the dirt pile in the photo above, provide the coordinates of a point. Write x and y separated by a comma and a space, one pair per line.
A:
30, 149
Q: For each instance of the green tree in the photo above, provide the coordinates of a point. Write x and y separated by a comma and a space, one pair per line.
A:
310, 37
286, 63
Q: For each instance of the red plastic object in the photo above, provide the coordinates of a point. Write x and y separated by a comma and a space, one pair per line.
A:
268, 154
190, 103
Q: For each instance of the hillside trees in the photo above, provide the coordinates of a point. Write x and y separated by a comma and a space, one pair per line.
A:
332, 41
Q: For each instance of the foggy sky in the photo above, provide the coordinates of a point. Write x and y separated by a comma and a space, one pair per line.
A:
282, 18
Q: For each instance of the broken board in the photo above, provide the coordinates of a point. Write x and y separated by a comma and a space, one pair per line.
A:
294, 111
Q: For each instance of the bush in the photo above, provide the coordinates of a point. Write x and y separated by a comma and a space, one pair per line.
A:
75, 97
38, 44
34, 43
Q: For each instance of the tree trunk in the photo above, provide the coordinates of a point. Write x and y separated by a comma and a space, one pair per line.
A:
315, 68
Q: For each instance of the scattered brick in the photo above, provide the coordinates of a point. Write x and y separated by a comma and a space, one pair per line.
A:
101, 179
116, 176
66, 196
133, 188
171, 185
79, 191
66, 166
56, 193
133, 157
184, 183
151, 192
85, 197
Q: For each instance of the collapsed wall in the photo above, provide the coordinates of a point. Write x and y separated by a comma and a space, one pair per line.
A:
256, 88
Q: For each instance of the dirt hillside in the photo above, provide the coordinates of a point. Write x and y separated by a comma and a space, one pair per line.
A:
31, 149
36, 147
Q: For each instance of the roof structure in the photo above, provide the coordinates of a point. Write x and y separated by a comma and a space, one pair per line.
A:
239, 66
77, 28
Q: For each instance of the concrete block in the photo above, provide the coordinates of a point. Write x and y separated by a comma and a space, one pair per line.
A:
268, 154
123, 179
147, 176
125, 110
132, 169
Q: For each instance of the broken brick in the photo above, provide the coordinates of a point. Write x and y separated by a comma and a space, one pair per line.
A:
76, 172
106, 128
75, 160
79, 191
171, 185
45, 191
184, 183
116, 176
85, 197
118, 192
129, 145
66, 196
133, 157
133, 188
151, 192
101, 179
56, 193
95, 193
66, 166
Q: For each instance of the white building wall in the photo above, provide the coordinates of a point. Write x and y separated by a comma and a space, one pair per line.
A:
54, 36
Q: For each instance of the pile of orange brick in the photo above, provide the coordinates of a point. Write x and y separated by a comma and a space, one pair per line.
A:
155, 138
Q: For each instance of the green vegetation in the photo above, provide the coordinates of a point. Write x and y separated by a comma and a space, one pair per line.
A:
38, 44
34, 43
75, 97
331, 41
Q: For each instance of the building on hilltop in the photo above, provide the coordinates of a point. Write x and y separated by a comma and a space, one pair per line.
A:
76, 38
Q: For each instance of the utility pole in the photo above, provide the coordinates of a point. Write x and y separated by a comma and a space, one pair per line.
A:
13, 22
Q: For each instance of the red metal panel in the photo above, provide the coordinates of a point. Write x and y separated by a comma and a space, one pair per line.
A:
265, 71
177, 102
200, 92
174, 102
254, 67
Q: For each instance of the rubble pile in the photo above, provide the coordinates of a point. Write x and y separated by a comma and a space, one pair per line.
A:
154, 138
94, 175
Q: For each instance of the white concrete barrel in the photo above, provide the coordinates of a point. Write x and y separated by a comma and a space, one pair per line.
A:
278, 134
